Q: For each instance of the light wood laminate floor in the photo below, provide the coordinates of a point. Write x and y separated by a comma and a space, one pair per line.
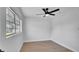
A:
43, 46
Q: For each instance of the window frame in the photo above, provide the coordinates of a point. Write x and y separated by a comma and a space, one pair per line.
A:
8, 9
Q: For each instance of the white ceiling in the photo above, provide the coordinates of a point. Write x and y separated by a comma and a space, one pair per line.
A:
33, 11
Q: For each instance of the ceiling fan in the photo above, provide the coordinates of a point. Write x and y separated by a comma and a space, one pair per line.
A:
47, 12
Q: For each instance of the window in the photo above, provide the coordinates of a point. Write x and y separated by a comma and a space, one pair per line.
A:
13, 23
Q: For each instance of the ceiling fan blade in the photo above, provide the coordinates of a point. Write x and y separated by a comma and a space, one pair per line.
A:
44, 10
47, 9
54, 10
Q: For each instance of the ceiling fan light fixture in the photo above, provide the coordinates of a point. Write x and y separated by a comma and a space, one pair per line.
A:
47, 12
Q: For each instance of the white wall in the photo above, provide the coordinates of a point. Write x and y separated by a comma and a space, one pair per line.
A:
36, 28
0, 31
66, 28
12, 44
63, 28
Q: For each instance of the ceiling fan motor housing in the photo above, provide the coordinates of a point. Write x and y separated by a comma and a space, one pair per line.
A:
49, 12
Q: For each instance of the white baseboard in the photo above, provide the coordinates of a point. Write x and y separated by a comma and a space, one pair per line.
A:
53, 41
36, 40
65, 46
20, 47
